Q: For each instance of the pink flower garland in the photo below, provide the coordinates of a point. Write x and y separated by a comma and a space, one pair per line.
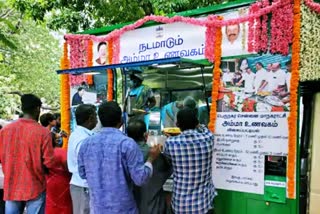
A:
188, 20
254, 29
78, 53
209, 22
263, 43
116, 50
312, 5
210, 40
281, 28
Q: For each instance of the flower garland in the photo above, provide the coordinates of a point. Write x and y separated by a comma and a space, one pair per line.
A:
77, 49
65, 95
254, 27
206, 22
292, 119
188, 20
263, 41
210, 40
310, 44
116, 50
90, 60
281, 28
115, 35
312, 5
110, 73
242, 12
216, 79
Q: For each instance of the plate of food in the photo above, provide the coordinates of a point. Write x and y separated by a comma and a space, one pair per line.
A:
263, 107
273, 100
264, 93
172, 130
235, 88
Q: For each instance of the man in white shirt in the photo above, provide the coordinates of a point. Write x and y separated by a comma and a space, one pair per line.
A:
227, 77
248, 77
86, 118
261, 77
232, 32
269, 67
232, 41
277, 78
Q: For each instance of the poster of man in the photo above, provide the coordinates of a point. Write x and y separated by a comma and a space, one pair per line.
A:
259, 84
77, 97
82, 94
235, 37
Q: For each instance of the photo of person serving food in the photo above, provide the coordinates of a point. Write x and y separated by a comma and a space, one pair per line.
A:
254, 88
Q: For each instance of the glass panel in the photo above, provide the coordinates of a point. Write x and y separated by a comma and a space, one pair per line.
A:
173, 86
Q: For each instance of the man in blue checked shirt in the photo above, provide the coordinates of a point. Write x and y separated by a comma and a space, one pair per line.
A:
112, 162
191, 157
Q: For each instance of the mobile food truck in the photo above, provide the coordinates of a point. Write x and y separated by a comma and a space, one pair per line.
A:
239, 64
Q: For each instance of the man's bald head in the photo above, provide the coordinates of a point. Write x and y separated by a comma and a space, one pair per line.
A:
275, 66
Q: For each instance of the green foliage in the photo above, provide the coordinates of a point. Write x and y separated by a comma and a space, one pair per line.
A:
5, 41
30, 67
75, 15
7, 102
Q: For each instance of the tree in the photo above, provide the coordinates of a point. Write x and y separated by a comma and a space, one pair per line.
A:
75, 15
5, 41
30, 67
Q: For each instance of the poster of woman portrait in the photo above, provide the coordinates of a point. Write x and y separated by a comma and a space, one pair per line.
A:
100, 57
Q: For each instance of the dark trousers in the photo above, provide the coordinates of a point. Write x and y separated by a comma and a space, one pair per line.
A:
2, 203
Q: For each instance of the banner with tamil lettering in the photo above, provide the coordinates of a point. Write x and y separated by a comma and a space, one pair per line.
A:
252, 122
181, 40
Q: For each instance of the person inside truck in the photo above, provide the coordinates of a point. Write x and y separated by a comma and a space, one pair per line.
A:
140, 96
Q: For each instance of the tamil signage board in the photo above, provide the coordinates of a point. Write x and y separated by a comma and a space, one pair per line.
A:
252, 121
181, 40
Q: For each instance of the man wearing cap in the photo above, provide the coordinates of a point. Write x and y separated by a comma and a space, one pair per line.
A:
141, 97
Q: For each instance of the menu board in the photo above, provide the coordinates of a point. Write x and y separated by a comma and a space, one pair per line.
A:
241, 143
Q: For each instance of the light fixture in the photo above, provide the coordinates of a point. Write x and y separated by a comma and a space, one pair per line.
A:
92, 73
165, 66
189, 69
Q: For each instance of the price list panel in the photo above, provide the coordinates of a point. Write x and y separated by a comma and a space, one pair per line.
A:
241, 145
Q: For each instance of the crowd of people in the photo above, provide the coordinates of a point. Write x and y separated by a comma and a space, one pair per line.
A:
106, 171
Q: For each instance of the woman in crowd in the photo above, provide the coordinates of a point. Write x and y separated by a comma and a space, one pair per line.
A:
58, 198
48, 121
